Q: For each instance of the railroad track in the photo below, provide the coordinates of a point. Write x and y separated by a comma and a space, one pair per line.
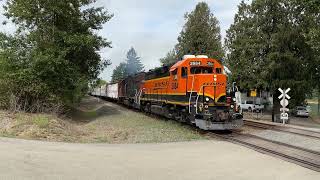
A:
301, 156
302, 132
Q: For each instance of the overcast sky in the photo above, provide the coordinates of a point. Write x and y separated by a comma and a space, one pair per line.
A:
150, 26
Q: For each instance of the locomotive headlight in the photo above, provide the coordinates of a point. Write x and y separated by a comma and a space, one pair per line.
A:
232, 106
207, 99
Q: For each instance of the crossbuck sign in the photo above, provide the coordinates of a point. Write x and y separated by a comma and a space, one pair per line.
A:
284, 103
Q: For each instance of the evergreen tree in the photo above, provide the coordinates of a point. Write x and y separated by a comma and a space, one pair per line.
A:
133, 63
200, 34
119, 73
131, 66
311, 17
59, 55
267, 48
241, 47
170, 58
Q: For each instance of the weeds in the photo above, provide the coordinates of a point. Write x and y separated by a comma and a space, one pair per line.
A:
41, 121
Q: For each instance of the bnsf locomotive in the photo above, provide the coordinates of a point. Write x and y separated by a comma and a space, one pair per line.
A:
192, 90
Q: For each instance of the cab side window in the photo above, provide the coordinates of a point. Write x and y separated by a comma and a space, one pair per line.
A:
184, 72
218, 70
175, 74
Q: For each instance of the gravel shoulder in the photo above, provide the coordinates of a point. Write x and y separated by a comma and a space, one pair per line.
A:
285, 137
291, 139
311, 122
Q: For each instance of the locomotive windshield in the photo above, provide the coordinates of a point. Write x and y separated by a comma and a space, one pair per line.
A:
201, 70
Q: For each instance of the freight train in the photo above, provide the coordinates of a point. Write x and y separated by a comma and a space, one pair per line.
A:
193, 90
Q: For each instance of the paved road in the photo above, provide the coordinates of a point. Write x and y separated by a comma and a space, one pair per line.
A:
21, 159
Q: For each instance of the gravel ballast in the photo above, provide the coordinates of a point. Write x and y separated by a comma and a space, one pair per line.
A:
291, 139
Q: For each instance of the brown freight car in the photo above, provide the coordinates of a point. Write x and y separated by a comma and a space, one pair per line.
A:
129, 87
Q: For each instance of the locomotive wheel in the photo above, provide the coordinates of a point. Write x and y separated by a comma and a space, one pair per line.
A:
183, 117
148, 108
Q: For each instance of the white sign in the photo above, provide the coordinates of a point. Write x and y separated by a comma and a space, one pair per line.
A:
284, 103
284, 109
284, 116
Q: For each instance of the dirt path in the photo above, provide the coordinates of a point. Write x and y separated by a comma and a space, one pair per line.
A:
35, 160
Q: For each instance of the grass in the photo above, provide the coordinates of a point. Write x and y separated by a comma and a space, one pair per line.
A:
91, 114
139, 128
313, 103
99, 122
41, 121
314, 110
27, 126
133, 127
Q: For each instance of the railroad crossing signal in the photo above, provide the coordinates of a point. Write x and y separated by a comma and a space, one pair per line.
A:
284, 93
284, 102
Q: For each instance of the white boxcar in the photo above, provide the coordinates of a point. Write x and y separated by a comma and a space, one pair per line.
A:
103, 91
96, 92
99, 91
112, 91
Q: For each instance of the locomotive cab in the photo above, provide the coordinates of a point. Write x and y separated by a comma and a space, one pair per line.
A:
203, 83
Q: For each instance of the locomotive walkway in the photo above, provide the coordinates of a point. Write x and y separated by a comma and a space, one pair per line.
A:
22, 159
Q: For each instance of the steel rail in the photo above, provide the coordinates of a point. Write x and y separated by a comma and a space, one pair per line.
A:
292, 130
301, 156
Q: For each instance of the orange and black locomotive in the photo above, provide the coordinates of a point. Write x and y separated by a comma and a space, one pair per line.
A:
192, 90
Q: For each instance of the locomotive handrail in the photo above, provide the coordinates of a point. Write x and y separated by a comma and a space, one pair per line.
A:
136, 96
202, 87
191, 94
125, 88
139, 95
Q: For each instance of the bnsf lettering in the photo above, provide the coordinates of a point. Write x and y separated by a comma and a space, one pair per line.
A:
161, 84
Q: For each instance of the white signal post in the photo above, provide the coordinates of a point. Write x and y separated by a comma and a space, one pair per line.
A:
284, 102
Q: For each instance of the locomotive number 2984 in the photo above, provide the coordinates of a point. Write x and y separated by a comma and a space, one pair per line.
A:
195, 63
